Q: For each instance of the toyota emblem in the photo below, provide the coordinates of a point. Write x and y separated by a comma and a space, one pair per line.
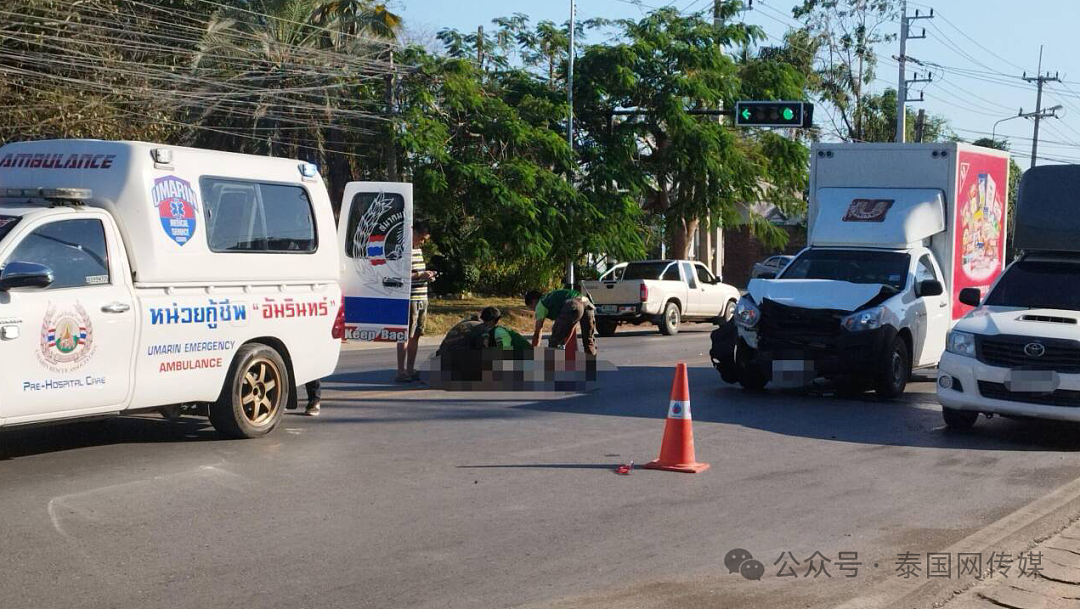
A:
1034, 349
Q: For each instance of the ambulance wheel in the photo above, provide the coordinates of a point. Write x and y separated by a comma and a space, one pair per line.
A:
669, 322
894, 370
255, 394
959, 419
606, 327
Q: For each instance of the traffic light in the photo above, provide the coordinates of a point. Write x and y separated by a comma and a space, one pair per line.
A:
773, 114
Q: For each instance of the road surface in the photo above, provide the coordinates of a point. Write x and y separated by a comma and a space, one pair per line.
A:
406, 497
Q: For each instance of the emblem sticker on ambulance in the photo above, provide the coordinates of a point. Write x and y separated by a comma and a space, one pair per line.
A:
67, 338
177, 207
867, 210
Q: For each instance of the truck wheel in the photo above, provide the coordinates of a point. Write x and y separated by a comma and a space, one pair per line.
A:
894, 370
606, 327
255, 394
729, 311
669, 323
753, 379
959, 419
723, 353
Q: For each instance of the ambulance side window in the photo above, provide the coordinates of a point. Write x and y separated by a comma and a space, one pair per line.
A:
257, 217
75, 250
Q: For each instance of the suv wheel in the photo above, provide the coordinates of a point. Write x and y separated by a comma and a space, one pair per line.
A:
959, 419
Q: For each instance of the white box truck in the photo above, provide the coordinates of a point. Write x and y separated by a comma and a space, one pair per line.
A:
1018, 353
137, 276
895, 232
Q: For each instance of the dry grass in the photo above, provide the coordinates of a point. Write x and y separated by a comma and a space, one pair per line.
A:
444, 314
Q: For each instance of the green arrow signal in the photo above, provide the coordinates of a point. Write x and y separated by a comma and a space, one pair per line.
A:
788, 114
746, 114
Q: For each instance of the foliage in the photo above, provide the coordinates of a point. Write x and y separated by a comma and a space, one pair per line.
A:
842, 34
679, 164
879, 121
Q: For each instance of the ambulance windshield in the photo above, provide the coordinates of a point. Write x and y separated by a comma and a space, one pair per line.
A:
6, 224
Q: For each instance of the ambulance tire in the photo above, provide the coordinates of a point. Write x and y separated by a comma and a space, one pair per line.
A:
256, 391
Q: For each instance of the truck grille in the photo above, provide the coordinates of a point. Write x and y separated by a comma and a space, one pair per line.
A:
1061, 397
793, 325
1008, 352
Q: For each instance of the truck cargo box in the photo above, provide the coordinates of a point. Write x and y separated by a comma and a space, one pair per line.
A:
1046, 210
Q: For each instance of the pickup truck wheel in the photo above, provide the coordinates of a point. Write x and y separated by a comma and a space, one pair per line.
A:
894, 370
959, 419
606, 327
255, 394
729, 311
669, 322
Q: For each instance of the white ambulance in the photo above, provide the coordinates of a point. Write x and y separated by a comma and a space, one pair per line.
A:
138, 276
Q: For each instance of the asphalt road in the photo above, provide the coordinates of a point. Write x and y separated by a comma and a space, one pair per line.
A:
406, 497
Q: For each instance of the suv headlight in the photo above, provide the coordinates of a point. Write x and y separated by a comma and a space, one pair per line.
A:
747, 314
961, 343
869, 319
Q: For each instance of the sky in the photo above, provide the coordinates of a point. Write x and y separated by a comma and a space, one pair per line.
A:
985, 47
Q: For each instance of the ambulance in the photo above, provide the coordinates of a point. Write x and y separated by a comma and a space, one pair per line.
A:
138, 277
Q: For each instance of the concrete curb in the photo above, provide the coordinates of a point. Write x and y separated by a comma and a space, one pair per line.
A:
1056, 585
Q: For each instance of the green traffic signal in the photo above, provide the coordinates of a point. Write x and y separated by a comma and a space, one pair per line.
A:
773, 114
746, 113
788, 114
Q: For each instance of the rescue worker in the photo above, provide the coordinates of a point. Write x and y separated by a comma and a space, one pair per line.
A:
564, 308
501, 337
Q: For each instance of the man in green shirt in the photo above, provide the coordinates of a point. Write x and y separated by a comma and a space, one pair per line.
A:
500, 337
565, 308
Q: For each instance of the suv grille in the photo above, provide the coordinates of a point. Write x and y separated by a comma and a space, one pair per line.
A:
1061, 397
1008, 352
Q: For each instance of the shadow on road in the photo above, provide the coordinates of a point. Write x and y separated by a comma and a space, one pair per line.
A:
864, 420
25, 442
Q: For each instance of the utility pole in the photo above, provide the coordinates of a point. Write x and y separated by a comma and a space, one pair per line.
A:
480, 46
390, 150
570, 127
1038, 115
902, 82
920, 125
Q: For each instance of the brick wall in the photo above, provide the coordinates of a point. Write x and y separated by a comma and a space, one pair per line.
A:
742, 250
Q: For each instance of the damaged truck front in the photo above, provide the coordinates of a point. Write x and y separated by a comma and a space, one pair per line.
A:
894, 231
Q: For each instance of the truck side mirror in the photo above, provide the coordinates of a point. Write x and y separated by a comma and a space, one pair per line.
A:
930, 287
25, 275
970, 296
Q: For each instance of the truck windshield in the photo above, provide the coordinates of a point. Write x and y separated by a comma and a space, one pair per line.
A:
853, 266
1038, 285
6, 224
644, 270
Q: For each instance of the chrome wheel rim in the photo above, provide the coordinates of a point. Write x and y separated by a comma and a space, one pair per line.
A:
898, 368
260, 393
673, 318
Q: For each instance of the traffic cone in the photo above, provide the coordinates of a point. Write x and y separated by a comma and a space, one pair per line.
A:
677, 449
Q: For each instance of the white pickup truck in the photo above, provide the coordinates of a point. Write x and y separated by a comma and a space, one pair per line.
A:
664, 292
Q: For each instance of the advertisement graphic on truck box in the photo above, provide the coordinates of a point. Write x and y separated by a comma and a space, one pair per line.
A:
980, 223
176, 204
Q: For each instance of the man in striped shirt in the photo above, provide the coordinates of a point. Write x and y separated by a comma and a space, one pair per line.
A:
418, 304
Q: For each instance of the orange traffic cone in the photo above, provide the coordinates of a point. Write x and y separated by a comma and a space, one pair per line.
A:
677, 449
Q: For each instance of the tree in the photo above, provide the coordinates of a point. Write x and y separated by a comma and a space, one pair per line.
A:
879, 121
488, 160
845, 33
683, 166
